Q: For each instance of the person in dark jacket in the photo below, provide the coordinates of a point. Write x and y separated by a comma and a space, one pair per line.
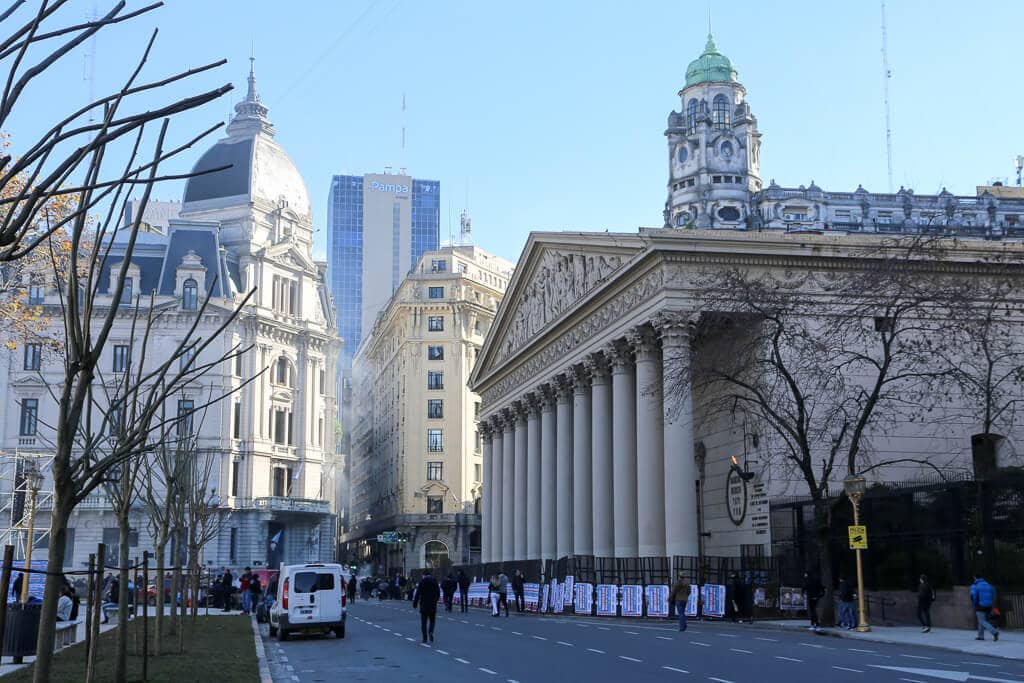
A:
925, 598
813, 590
448, 587
350, 588
518, 581
426, 595
983, 598
227, 586
679, 596
463, 582
846, 593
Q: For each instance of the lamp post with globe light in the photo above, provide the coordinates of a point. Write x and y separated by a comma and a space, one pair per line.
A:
855, 487
34, 481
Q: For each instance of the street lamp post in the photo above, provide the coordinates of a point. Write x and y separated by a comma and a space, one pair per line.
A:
34, 481
855, 487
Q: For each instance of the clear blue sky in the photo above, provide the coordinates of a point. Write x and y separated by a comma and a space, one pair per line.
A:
552, 114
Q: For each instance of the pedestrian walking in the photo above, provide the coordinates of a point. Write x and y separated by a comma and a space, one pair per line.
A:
382, 589
16, 586
350, 588
925, 598
846, 594
518, 582
463, 582
448, 587
426, 595
679, 596
113, 595
503, 595
813, 590
494, 594
983, 598
227, 583
243, 587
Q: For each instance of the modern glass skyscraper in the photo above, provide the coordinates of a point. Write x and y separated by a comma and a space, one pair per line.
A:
379, 226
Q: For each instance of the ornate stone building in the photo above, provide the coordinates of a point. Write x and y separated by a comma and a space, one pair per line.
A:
415, 465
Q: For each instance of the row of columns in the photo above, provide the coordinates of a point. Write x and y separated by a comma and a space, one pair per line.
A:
600, 460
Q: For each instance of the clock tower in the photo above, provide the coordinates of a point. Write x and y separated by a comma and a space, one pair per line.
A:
713, 149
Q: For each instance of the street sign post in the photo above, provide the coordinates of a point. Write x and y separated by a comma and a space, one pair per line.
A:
858, 537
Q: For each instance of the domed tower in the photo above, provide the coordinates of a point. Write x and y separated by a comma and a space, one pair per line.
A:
713, 148
257, 195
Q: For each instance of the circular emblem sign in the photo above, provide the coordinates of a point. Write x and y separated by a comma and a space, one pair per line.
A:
736, 497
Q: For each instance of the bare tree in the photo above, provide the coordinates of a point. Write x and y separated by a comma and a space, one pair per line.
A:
822, 362
205, 516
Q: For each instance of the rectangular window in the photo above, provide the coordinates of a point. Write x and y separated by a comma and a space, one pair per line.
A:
116, 418
236, 470
476, 410
477, 472
126, 293
435, 409
438, 265
233, 550
435, 323
435, 292
435, 380
435, 353
33, 356
185, 417
280, 427
320, 432
187, 357
476, 441
121, 358
435, 440
238, 365
435, 505
323, 381
236, 421
29, 416
35, 295
885, 217
435, 471
282, 481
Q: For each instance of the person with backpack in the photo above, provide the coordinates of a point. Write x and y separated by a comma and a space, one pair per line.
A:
925, 598
983, 598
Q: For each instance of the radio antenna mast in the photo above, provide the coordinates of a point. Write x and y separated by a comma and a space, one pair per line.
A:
89, 62
887, 74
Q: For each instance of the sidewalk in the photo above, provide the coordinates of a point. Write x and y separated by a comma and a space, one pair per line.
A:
1010, 645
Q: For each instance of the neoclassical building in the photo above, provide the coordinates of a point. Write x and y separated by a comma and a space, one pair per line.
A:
272, 439
415, 464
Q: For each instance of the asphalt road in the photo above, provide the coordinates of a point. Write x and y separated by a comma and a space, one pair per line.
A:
383, 644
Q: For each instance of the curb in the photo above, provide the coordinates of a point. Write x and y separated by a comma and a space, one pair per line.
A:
261, 654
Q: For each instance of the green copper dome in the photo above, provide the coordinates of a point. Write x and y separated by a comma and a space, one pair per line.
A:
711, 67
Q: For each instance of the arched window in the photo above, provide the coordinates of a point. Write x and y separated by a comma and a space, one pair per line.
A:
720, 112
283, 372
691, 116
190, 295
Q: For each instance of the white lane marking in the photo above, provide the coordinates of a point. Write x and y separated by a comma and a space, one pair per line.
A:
843, 668
672, 668
424, 645
408, 638
857, 649
463, 621
632, 633
388, 630
911, 680
460, 660
604, 628
994, 666
562, 642
931, 673
812, 645
736, 649
916, 657
694, 642
495, 628
487, 671
590, 649
727, 635
516, 633
720, 680
540, 637
789, 659
398, 634
440, 652
768, 640
630, 659
664, 638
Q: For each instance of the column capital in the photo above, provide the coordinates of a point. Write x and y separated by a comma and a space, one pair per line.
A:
564, 384
620, 353
547, 397
581, 379
486, 430
533, 403
508, 421
644, 341
497, 422
676, 328
521, 409
598, 366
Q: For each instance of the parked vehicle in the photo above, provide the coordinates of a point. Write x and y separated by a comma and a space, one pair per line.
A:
310, 599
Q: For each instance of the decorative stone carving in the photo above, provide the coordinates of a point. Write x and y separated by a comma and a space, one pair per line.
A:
581, 378
644, 342
560, 280
597, 368
621, 355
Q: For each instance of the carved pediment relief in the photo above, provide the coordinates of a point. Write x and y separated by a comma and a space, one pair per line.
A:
559, 280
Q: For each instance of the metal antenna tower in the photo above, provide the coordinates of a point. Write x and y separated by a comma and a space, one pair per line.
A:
89, 62
887, 74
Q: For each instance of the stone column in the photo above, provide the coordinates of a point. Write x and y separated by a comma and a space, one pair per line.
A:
497, 468
522, 484
508, 488
548, 521
582, 476
563, 492
680, 468
601, 443
650, 444
624, 450
533, 480
485, 495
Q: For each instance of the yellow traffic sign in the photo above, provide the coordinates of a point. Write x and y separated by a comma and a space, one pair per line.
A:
858, 537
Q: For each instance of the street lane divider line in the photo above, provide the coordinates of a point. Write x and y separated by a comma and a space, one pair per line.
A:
460, 660
663, 638
487, 671
590, 649
789, 659
562, 642
694, 642
672, 668
736, 649
844, 668
631, 659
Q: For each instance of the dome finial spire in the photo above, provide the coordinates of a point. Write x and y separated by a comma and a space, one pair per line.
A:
251, 96
250, 113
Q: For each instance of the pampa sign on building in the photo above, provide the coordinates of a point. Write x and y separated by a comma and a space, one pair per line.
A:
388, 187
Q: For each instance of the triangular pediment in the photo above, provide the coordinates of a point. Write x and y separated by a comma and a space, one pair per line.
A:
555, 274
287, 253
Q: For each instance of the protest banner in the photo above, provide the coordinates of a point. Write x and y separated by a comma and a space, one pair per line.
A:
583, 598
714, 600
657, 601
531, 596
607, 600
632, 601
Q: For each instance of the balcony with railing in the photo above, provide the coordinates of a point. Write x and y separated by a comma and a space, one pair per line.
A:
286, 504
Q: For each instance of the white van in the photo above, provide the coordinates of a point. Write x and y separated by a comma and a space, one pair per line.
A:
310, 599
